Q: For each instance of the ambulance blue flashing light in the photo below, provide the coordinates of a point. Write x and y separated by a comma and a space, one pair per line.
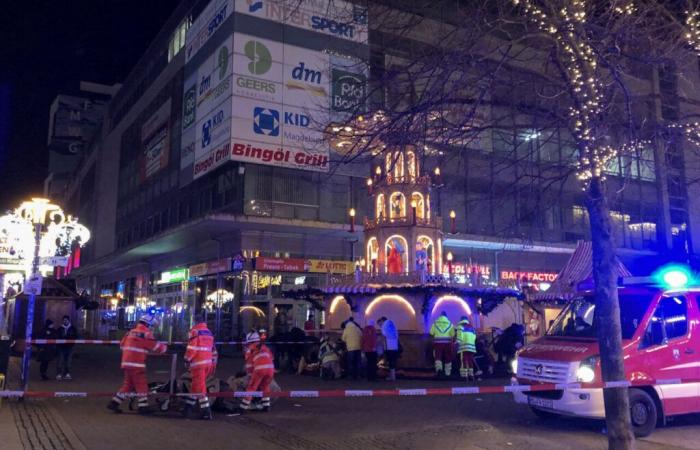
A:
673, 277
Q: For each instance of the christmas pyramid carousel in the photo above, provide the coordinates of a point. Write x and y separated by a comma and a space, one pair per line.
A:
401, 274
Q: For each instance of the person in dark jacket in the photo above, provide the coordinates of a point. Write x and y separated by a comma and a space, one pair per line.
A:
369, 348
65, 351
46, 352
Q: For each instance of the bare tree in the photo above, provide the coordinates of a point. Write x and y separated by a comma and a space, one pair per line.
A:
570, 64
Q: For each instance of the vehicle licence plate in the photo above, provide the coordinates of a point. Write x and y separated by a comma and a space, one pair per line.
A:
541, 402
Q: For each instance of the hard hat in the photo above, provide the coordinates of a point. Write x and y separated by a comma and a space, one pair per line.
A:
252, 337
464, 319
148, 319
263, 333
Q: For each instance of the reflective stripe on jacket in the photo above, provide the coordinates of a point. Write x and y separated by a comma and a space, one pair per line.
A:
136, 345
442, 330
466, 339
262, 360
199, 346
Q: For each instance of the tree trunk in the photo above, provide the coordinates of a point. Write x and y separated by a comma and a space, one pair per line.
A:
617, 410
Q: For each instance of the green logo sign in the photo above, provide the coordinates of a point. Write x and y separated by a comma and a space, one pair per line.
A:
259, 56
223, 62
189, 107
347, 90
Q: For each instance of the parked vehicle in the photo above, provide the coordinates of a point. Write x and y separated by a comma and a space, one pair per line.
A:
661, 341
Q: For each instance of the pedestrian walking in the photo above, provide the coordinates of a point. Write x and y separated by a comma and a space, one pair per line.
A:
352, 336
369, 348
466, 348
199, 359
65, 351
262, 371
443, 333
135, 346
391, 345
47, 352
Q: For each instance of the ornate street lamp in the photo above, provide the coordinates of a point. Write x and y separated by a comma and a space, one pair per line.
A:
39, 219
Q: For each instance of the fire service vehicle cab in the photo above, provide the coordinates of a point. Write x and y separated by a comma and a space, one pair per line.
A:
660, 318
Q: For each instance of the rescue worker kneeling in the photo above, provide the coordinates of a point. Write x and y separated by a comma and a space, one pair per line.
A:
199, 358
259, 361
135, 346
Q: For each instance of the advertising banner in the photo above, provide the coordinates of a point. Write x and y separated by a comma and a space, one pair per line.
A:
258, 68
213, 130
331, 17
214, 80
206, 24
155, 141
326, 266
280, 264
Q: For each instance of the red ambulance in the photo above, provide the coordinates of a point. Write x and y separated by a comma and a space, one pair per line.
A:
661, 341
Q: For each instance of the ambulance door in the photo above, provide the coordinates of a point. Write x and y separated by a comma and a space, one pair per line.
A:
671, 352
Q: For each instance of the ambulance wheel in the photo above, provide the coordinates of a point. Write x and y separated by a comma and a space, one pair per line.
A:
643, 413
544, 415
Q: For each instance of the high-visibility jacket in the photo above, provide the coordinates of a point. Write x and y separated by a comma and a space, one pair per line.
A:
135, 346
263, 360
199, 346
248, 360
442, 330
326, 353
466, 340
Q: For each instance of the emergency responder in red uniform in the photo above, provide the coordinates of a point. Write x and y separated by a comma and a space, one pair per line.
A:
262, 371
199, 358
135, 346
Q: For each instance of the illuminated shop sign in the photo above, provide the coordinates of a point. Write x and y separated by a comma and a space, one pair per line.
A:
173, 276
538, 277
467, 269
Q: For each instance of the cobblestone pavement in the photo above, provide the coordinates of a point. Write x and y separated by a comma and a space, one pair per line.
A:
484, 422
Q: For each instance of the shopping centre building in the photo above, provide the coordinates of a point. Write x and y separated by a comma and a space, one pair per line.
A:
212, 184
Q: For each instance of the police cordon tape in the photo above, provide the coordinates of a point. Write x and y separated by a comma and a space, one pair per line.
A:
353, 393
116, 342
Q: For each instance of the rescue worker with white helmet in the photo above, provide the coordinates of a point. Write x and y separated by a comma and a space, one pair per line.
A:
259, 363
199, 358
135, 346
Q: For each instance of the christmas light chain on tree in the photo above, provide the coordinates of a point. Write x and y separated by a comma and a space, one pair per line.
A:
579, 62
691, 130
692, 34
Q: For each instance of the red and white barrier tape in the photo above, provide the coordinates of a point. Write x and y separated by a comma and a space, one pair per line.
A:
113, 342
352, 393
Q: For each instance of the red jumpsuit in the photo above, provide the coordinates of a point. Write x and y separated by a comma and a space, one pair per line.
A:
135, 346
199, 355
263, 372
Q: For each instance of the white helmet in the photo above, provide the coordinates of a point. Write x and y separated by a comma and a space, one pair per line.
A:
252, 337
149, 320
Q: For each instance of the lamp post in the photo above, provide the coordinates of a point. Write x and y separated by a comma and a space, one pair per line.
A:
369, 186
453, 223
40, 213
351, 213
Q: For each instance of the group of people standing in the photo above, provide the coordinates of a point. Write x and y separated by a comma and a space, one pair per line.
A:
445, 336
372, 341
48, 352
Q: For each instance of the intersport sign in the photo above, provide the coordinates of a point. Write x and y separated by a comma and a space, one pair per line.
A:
332, 17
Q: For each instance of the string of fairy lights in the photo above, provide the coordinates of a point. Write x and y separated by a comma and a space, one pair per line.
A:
581, 67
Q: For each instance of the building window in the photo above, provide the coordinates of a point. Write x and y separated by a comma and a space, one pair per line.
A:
177, 40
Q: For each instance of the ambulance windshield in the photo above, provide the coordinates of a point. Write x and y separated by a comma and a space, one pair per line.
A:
578, 317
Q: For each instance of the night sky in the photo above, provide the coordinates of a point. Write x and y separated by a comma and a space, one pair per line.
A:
47, 48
